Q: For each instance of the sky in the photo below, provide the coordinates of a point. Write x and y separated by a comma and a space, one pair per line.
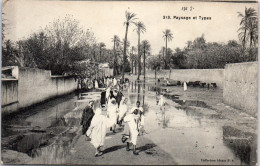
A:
106, 19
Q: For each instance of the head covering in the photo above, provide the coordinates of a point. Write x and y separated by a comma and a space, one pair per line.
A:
91, 102
98, 111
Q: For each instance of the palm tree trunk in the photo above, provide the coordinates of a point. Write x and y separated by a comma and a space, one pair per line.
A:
166, 56
144, 62
114, 71
155, 76
100, 55
124, 56
244, 43
170, 73
132, 62
132, 66
139, 57
251, 39
135, 67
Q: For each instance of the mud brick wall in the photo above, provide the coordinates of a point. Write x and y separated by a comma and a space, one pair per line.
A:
9, 95
240, 86
33, 86
202, 75
36, 85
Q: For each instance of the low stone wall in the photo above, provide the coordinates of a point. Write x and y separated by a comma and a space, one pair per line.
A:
9, 95
240, 86
202, 75
33, 86
36, 85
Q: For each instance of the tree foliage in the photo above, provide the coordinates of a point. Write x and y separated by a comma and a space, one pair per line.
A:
60, 47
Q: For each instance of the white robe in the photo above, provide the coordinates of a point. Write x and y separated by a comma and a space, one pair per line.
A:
185, 86
97, 129
122, 110
142, 116
131, 129
112, 113
115, 82
96, 84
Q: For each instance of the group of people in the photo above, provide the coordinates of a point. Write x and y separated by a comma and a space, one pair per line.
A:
113, 111
102, 82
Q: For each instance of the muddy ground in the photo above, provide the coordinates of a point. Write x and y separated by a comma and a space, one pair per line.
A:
195, 128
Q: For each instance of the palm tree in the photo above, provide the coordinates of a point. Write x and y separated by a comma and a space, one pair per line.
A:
146, 47
132, 58
154, 63
253, 31
161, 52
168, 36
246, 20
116, 42
130, 17
140, 28
101, 45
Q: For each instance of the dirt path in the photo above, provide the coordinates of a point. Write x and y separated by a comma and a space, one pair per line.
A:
115, 152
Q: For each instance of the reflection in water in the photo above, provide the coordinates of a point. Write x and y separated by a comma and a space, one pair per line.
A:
162, 119
243, 144
143, 91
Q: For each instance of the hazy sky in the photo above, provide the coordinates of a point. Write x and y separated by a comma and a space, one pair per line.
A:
106, 19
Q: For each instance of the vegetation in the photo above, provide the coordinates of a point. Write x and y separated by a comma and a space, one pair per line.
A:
64, 47
130, 17
168, 36
145, 50
140, 28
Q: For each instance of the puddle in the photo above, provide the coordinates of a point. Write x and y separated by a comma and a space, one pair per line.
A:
46, 131
40, 127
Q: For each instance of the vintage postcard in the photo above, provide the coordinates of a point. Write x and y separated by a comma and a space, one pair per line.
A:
129, 82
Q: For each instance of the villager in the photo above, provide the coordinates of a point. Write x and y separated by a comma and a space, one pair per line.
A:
114, 82
134, 123
112, 96
87, 116
141, 113
108, 93
185, 86
97, 131
112, 113
105, 82
119, 97
103, 99
122, 110
96, 84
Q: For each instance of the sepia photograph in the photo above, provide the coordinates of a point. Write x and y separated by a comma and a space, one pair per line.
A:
129, 82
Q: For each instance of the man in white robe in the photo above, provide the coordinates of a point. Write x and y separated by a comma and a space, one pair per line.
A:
122, 110
97, 131
112, 113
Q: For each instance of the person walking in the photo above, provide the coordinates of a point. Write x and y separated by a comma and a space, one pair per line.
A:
112, 110
132, 129
185, 86
122, 110
96, 84
108, 93
97, 131
114, 82
119, 97
86, 117
103, 99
